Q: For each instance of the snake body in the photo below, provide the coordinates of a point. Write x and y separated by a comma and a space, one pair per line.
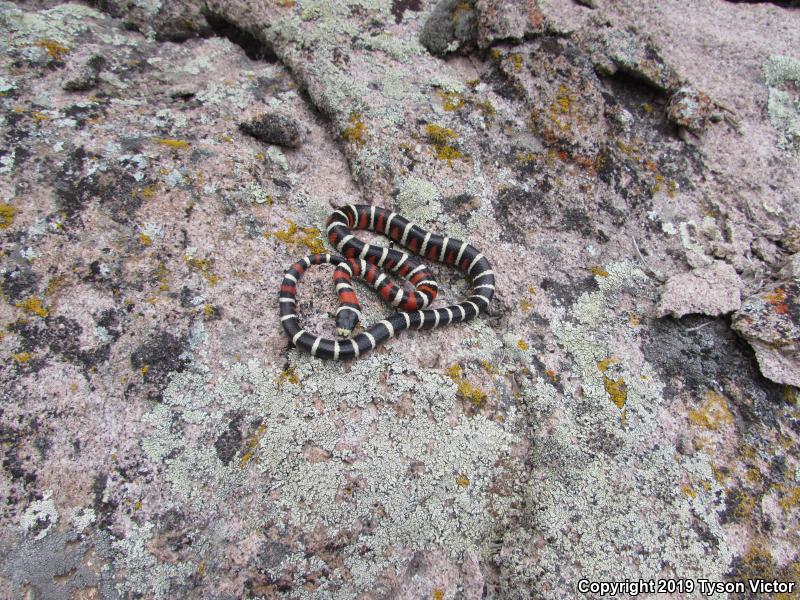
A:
366, 261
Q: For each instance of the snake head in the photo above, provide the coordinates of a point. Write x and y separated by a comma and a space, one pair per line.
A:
346, 321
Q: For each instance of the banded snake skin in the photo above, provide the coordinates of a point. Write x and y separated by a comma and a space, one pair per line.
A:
366, 261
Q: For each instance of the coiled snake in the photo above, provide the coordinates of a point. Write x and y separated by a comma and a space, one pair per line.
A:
366, 261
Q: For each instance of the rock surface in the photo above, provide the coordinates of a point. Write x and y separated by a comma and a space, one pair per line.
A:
161, 439
713, 290
770, 321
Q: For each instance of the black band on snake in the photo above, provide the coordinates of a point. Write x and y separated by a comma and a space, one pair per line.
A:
366, 262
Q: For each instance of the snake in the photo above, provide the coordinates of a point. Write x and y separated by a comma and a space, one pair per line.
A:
371, 263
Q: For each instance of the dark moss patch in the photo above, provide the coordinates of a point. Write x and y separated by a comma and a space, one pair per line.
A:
460, 206
229, 442
713, 357
103, 509
399, 7
567, 293
113, 321
156, 358
513, 202
60, 337
13, 463
20, 283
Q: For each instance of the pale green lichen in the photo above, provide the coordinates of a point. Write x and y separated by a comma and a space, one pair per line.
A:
40, 514
417, 199
144, 572
424, 509
588, 493
783, 105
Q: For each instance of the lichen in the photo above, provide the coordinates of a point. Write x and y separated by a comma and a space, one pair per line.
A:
33, 306
7, 213
356, 131
460, 459
783, 104
417, 199
310, 237
174, 144
204, 267
713, 414
41, 514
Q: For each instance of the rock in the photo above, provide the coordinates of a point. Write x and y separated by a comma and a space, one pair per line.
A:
713, 290
451, 28
770, 322
85, 76
629, 52
791, 269
690, 109
274, 128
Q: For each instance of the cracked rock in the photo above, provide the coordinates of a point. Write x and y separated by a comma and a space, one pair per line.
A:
712, 290
770, 322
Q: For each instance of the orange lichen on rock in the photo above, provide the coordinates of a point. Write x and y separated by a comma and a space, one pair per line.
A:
7, 213
714, 414
33, 306
310, 237
465, 389
53, 48
174, 144
617, 390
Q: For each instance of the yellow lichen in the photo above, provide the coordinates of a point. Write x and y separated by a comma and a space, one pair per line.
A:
714, 413
462, 480
310, 237
606, 362
438, 594
53, 48
617, 390
757, 563
252, 446
174, 144
523, 345
356, 132
23, 357
33, 306
599, 271
145, 239
790, 499
742, 506
451, 100
688, 491
465, 389
516, 60
563, 99
203, 266
146, 192
289, 374
54, 285
447, 153
487, 108
39, 117
7, 213
144, 369
439, 135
